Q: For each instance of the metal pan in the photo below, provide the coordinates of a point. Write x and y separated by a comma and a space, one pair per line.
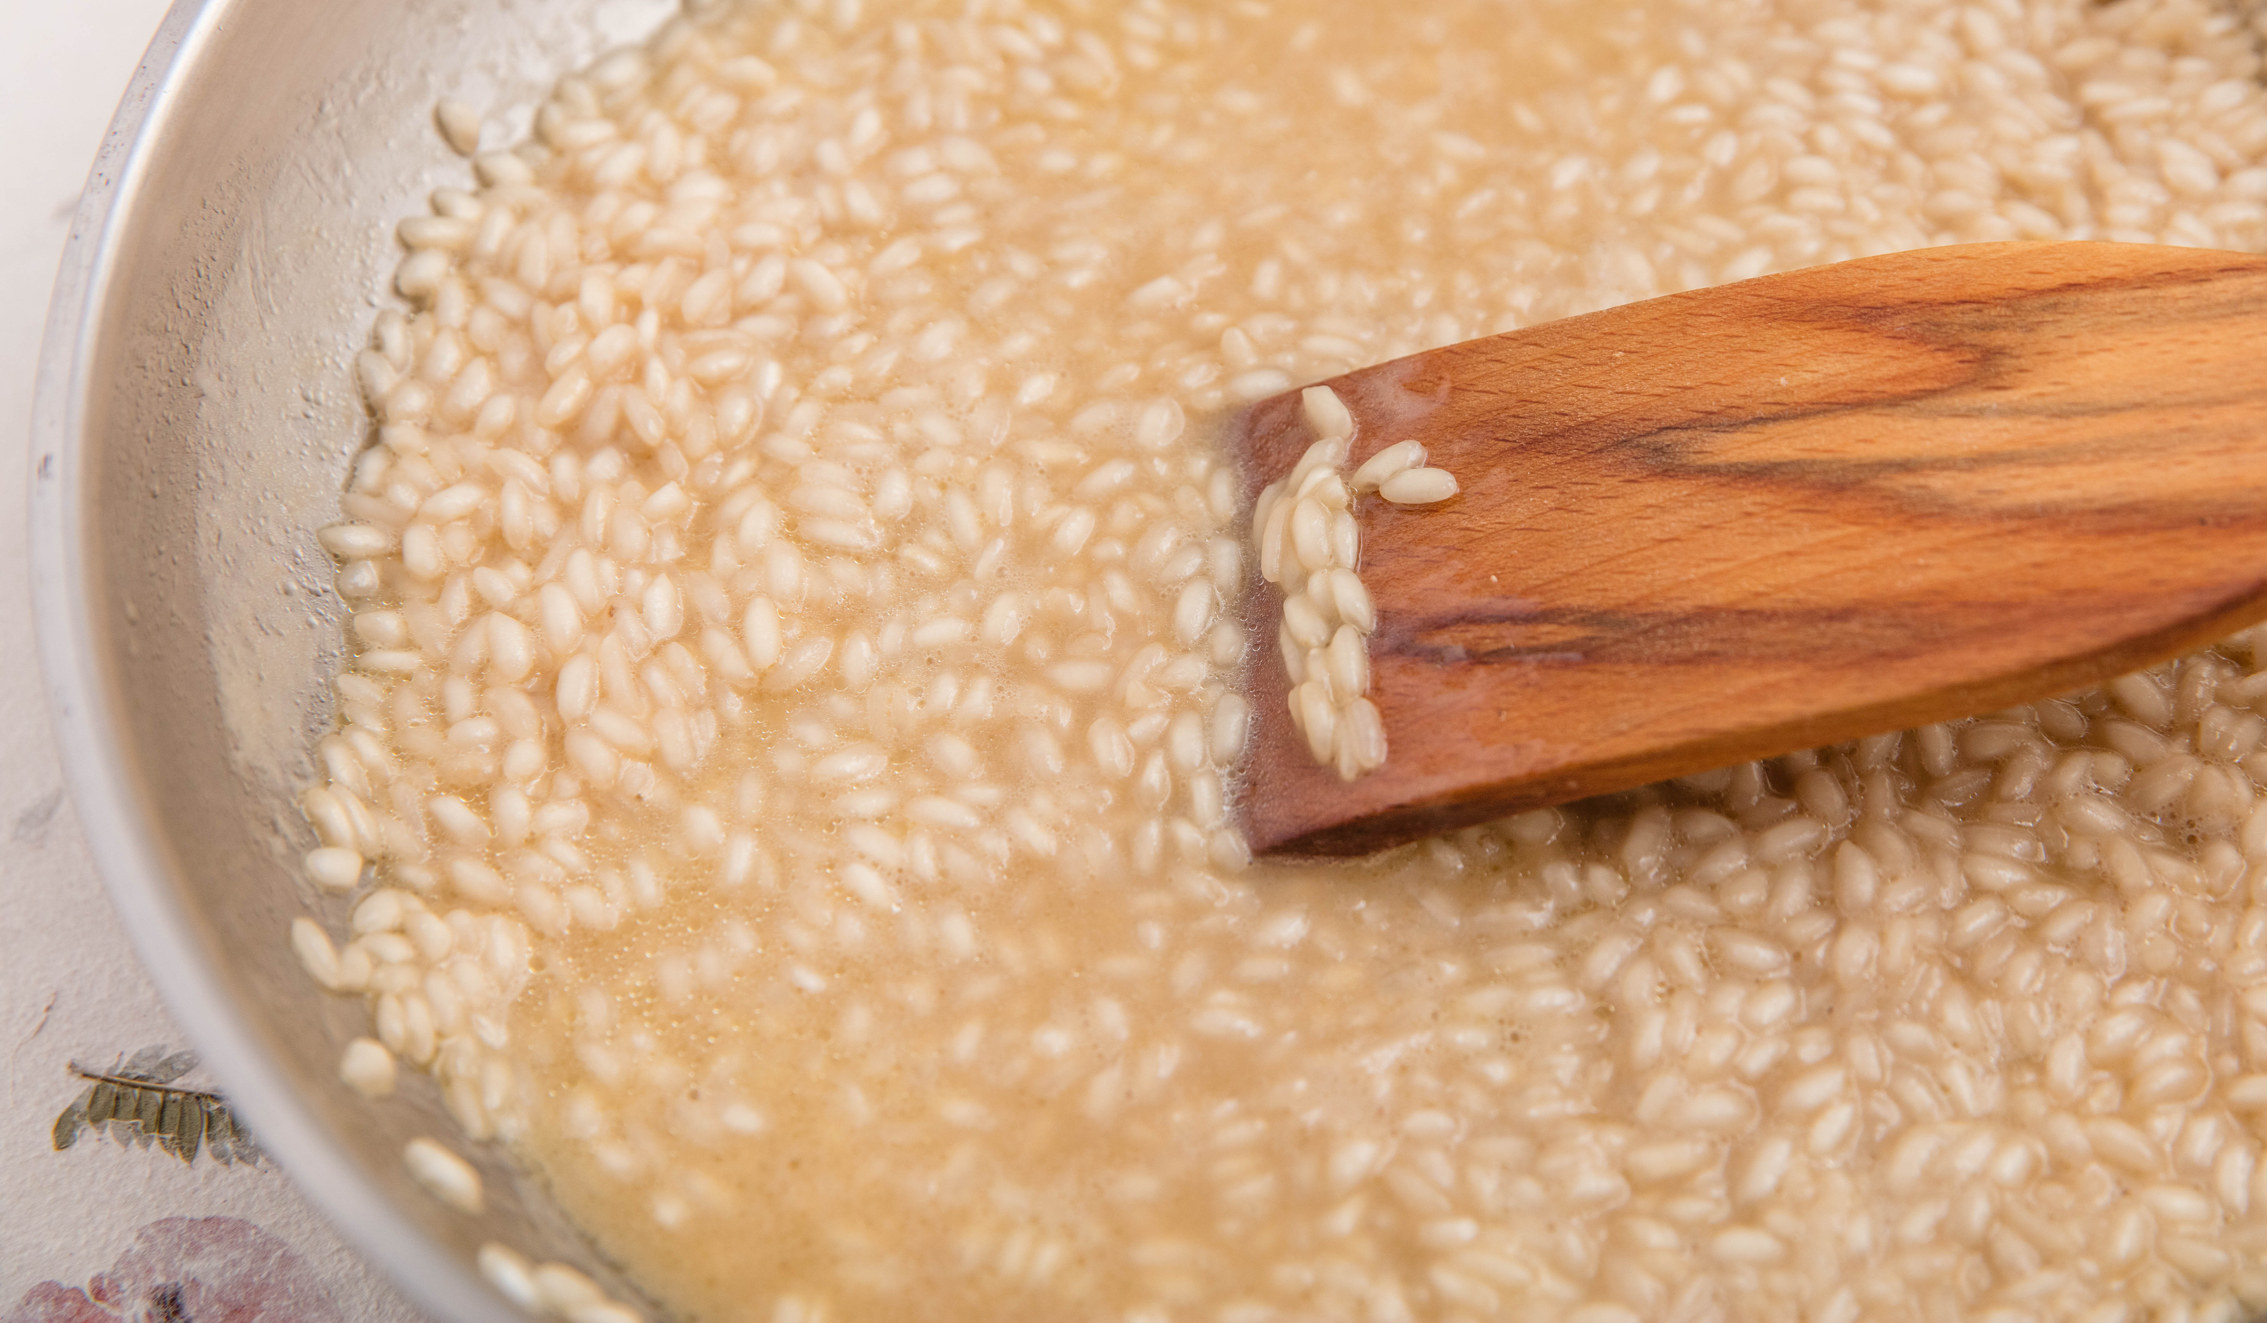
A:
196, 416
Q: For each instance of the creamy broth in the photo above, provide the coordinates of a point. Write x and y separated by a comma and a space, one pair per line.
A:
802, 604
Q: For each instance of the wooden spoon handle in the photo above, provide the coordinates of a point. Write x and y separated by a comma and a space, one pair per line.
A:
1740, 521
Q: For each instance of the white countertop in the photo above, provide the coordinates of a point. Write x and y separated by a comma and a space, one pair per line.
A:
225, 1241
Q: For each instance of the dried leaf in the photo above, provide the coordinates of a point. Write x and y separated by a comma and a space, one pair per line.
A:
135, 1103
247, 1148
217, 1135
71, 1122
191, 1131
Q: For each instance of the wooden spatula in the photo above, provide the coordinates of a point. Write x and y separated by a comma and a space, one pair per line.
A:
1740, 521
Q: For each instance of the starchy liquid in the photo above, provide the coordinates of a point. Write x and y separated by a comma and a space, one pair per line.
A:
801, 603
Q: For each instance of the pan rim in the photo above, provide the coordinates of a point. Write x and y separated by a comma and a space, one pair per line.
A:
116, 821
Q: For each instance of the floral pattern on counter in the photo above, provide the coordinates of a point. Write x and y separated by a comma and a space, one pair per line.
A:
138, 1101
190, 1270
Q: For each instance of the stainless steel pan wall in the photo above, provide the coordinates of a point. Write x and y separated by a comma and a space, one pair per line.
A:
196, 420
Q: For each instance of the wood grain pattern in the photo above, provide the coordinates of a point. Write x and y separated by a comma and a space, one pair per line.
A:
1740, 521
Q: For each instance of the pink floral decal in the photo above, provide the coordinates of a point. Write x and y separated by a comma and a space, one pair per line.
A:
190, 1270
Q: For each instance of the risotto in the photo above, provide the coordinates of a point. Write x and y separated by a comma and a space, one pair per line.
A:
787, 752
